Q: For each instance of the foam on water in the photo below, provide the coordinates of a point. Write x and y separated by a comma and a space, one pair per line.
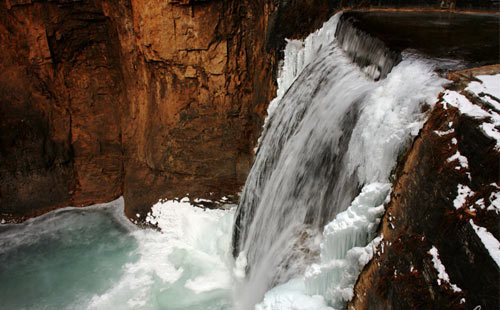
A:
94, 258
185, 265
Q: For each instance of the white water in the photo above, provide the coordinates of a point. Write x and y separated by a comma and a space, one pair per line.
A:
94, 258
331, 131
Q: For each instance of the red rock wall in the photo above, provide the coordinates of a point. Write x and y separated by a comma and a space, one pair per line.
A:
198, 80
150, 99
60, 100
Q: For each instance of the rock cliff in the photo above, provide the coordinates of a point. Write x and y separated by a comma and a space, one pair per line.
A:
149, 99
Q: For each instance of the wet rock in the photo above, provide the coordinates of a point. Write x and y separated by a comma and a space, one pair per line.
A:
423, 212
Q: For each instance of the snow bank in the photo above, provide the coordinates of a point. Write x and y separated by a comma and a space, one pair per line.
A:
489, 241
488, 90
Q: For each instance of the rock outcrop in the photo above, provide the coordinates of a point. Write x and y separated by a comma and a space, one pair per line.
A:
447, 179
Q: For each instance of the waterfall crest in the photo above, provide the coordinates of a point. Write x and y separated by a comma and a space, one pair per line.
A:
333, 129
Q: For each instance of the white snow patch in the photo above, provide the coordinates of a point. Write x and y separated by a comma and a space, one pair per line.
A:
454, 141
198, 200
462, 160
463, 104
442, 274
489, 241
444, 133
463, 192
488, 87
491, 131
495, 202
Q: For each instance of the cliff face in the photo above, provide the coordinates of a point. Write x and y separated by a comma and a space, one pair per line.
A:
197, 80
436, 197
60, 107
150, 99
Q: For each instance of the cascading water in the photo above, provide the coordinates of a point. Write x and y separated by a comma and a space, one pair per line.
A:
333, 132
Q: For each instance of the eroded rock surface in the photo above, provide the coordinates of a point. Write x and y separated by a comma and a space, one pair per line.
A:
149, 99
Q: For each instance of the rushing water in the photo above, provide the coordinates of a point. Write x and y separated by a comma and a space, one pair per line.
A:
334, 133
304, 227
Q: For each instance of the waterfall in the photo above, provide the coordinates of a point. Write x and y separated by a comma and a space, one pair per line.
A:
345, 109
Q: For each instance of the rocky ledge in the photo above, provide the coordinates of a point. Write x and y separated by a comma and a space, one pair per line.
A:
440, 232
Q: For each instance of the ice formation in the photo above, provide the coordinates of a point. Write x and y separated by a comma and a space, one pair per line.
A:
344, 249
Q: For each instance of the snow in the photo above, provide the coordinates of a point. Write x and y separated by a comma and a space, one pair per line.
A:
489, 242
198, 200
461, 102
463, 192
492, 132
495, 202
489, 86
443, 276
444, 133
462, 160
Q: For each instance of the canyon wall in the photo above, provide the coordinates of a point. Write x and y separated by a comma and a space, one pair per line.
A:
149, 99
146, 99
